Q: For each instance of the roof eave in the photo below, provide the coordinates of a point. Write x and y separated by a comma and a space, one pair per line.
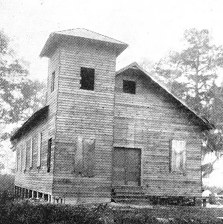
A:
55, 38
46, 48
42, 113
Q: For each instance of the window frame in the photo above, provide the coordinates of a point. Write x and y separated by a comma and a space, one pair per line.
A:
24, 154
49, 152
84, 83
21, 158
17, 158
31, 153
39, 149
53, 78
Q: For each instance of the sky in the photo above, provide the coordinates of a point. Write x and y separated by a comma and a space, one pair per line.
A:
151, 27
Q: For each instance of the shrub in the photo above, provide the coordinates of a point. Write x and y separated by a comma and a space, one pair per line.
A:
26, 212
7, 183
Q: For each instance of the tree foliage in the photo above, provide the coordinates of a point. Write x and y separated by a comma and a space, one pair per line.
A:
191, 75
19, 96
192, 72
17, 93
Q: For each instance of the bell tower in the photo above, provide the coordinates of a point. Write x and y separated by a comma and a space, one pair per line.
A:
80, 95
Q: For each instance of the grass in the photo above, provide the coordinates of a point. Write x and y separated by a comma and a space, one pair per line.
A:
31, 212
26, 211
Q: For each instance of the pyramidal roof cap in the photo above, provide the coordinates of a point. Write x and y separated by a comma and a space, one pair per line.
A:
58, 36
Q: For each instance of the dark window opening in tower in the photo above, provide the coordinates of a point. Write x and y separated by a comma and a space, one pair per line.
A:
87, 78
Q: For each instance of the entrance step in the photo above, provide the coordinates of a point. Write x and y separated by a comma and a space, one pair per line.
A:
128, 194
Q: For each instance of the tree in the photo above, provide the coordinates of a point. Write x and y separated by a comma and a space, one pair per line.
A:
192, 72
19, 96
191, 75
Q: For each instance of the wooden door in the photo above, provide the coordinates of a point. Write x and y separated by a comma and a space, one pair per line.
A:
127, 166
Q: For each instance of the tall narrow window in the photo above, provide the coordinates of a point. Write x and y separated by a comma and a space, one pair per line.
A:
49, 154
31, 154
40, 136
129, 87
52, 82
24, 148
28, 146
21, 158
87, 78
178, 156
17, 159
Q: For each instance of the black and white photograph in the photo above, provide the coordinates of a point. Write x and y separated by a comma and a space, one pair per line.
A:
111, 111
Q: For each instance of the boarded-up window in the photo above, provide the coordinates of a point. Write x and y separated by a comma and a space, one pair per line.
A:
31, 154
178, 156
89, 157
85, 157
49, 154
40, 136
79, 156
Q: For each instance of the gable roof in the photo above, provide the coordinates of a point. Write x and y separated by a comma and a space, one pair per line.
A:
42, 113
35, 118
58, 36
134, 65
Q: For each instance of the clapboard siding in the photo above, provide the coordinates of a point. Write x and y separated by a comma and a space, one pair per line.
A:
36, 178
148, 120
53, 66
87, 114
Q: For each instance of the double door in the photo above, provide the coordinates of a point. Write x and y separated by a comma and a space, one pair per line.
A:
126, 166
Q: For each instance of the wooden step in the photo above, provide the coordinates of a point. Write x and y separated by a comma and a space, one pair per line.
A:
129, 194
130, 191
132, 200
128, 187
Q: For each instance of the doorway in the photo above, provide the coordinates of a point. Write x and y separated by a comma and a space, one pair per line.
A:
126, 166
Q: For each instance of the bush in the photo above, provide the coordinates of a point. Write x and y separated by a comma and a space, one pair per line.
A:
26, 212
7, 183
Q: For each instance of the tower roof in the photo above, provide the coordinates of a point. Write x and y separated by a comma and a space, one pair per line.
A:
58, 36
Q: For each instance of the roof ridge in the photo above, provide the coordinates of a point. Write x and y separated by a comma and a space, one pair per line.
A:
91, 32
67, 30
104, 36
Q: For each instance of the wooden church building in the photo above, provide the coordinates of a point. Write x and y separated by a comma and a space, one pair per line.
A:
103, 133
